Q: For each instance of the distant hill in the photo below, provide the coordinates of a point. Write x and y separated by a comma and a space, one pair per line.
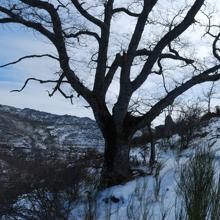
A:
31, 129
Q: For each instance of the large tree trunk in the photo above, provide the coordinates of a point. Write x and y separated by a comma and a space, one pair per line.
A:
116, 167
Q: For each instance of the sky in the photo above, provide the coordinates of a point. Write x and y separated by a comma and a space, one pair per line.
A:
16, 42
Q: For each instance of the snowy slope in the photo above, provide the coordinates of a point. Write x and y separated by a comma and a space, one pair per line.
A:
140, 195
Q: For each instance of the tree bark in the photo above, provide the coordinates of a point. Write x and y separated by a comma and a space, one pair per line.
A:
116, 168
152, 159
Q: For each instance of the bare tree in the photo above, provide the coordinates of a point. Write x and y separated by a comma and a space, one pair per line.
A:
209, 95
56, 20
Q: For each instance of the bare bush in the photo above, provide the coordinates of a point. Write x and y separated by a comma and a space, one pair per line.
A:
46, 187
187, 123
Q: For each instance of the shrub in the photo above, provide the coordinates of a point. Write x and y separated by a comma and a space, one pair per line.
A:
187, 123
197, 189
46, 186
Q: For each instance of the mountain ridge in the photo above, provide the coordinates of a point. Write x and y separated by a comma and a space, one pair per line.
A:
28, 128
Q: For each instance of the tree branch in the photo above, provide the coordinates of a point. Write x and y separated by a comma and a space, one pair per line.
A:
139, 28
126, 11
86, 15
15, 18
66, 96
59, 43
38, 80
6, 20
121, 106
28, 57
176, 56
166, 40
83, 32
215, 49
170, 97
99, 87
57, 87
112, 70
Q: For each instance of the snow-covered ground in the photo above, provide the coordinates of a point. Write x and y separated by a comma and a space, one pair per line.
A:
155, 196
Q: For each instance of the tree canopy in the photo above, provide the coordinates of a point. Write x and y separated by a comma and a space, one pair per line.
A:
153, 45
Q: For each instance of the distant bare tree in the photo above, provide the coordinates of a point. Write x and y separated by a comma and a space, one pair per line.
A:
209, 95
57, 21
188, 122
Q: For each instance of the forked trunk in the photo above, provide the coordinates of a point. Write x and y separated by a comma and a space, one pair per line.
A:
116, 168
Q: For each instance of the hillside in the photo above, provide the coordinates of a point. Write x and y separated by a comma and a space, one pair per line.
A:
30, 129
